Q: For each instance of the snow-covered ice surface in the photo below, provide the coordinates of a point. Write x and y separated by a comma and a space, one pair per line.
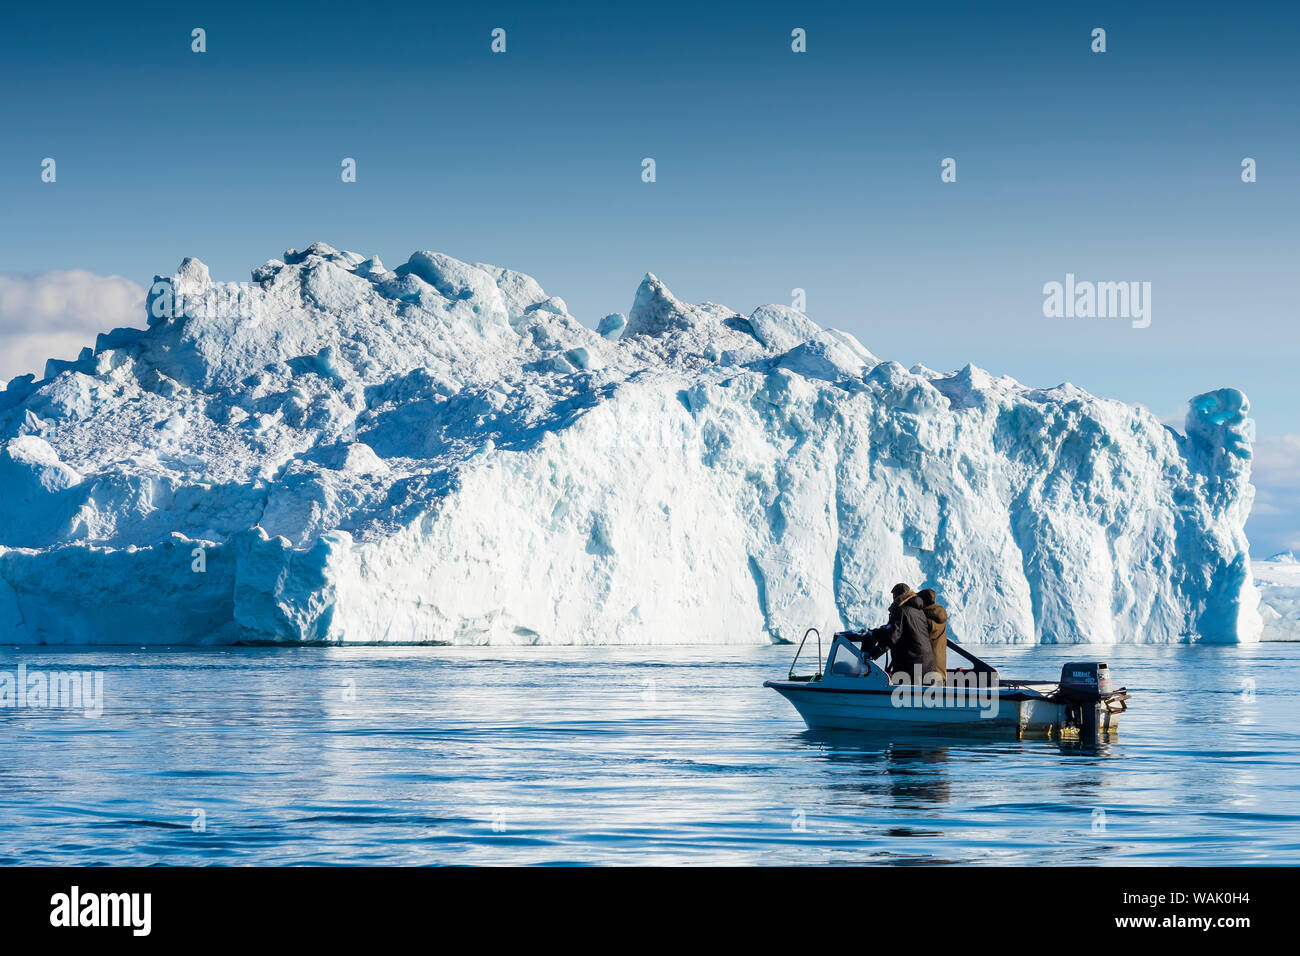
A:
344, 453
1278, 580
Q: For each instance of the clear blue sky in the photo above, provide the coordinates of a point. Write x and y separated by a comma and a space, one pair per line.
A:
775, 169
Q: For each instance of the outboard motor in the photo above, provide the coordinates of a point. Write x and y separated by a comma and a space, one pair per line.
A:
1091, 704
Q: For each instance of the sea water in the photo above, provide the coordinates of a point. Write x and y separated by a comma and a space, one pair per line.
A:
625, 755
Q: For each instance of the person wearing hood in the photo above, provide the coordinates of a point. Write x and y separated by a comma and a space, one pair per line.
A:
906, 636
937, 615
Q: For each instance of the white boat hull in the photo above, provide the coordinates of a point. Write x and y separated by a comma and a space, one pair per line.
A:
1006, 709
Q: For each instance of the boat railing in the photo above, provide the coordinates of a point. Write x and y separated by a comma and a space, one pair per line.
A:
794, 663
977, 665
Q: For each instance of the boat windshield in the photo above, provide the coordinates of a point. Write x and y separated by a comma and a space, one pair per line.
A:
845, 660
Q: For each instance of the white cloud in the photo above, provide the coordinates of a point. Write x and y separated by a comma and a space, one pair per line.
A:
1275, 519
55, 314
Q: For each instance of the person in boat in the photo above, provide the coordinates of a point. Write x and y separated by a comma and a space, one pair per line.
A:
937, 615
906, 637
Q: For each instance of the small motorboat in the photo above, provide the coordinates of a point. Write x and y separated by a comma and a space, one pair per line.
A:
856, 693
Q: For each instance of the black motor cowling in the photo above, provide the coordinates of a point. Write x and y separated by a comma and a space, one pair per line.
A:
1085, 681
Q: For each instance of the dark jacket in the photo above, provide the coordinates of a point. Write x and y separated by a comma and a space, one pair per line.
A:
907, 636
938, 618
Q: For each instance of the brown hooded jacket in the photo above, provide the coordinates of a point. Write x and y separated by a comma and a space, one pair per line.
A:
937, 615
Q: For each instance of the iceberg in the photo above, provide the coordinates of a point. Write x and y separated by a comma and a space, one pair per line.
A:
337, 452
1278, 580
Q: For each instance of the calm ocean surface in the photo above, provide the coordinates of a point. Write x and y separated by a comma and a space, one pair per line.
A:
627, 756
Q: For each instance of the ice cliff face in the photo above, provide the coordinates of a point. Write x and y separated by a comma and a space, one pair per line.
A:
1278, 580
339, 452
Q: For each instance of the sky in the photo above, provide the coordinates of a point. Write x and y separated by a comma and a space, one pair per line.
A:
775, 170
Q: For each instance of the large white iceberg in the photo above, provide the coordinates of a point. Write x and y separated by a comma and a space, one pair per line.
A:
337, 452
1278, 580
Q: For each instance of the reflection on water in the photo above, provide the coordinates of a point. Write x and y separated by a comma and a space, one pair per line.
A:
909, 770
628, 755
1085, 746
